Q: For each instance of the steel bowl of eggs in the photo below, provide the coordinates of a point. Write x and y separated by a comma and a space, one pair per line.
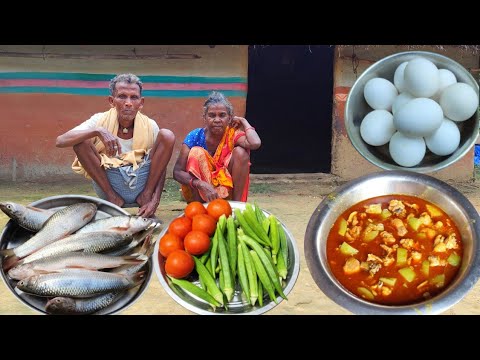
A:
415, 111
394, 242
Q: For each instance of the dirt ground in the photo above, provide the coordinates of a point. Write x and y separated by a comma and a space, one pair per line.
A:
292, 198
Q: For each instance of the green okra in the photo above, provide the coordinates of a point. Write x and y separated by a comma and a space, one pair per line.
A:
283, 243
263, 276
202, 283
260, 293
214, 253
251, 219
222, 223
228, 288
242, 273
209, 281
259, 213
270, 259
266, 225
232, 245
274, 237
195, 290
251, 273
221, 281
266, 261
204, 258
245, 228
281, 268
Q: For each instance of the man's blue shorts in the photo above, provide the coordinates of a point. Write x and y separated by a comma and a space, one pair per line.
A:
121, 181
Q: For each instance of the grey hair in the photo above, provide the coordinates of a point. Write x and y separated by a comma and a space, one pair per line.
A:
126, 78
217, 97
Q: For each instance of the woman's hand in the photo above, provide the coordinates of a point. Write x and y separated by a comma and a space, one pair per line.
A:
207, 190
239, 123
251, 140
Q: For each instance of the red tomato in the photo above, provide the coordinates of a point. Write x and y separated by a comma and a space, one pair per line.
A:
204, 223
180, 226
196, 242
219, 207
194, 208
169, 243
179, 264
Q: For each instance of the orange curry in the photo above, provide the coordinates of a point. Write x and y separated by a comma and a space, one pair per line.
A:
394, 250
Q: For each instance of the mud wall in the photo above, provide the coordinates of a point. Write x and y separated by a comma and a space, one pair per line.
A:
46, 90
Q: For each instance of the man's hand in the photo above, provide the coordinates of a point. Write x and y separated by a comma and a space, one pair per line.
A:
148, 209
112, 145
148, 203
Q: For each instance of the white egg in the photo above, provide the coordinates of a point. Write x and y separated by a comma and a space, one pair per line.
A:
398, 77
407, 151
377, 127
401, 100
380, 93
459, 101
445, 139
421, 77
447, 78
418, 117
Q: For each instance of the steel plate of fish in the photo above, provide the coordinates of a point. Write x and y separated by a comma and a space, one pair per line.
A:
111, 302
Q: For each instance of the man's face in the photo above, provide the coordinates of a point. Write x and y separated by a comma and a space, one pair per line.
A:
127, 101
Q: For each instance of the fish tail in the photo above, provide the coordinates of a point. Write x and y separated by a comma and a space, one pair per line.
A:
7, 252
144, 234
132, 259
144, 248
149, 243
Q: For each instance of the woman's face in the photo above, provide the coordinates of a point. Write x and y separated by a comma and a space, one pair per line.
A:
217, 118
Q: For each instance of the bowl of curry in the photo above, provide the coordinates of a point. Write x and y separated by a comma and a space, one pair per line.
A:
394, 242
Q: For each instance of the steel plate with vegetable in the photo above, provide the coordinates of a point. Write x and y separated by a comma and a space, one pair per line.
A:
249, 267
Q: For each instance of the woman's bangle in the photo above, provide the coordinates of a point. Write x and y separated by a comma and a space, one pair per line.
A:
249, 128
191, 182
